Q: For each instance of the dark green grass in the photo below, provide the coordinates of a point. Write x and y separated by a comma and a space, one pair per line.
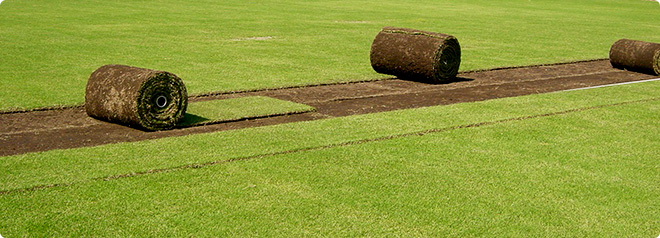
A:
590, 171
50, 47
214, 111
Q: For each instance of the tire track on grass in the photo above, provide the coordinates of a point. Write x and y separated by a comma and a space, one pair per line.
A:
329, 146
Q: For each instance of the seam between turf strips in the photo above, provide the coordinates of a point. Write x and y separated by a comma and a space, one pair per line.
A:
335, 145
245, 118
181, 126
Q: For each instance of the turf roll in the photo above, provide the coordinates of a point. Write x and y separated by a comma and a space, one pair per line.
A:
416, 55
136, 97
636, 55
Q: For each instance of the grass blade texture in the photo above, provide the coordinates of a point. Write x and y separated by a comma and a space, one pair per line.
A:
82, 164
50, 47
215, 111
577, 163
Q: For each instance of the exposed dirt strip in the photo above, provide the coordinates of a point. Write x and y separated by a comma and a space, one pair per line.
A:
356, 142
71, 128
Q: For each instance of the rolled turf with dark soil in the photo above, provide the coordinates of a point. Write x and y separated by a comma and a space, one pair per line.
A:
136, 97
416, 55
25, 132
634, 55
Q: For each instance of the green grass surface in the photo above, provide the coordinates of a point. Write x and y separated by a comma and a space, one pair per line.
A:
567, 164
214, 111
580, 163
82, 164
50, 47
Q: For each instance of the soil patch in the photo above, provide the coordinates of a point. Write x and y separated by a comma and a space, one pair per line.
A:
71, 128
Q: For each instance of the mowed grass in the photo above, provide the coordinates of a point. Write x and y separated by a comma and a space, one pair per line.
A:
580, 163
50, 47
214, 111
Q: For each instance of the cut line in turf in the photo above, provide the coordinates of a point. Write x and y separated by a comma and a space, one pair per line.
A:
329, 146
235, 109
349, 143
71, 166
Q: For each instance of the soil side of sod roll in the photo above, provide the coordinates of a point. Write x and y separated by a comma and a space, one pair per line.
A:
416, 55
137, 97
636, 55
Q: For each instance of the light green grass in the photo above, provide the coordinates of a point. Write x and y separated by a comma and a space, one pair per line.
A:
83, 164
206, 112
586, 172
50, 47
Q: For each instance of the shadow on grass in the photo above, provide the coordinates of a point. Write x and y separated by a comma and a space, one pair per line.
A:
191, 119
448, 81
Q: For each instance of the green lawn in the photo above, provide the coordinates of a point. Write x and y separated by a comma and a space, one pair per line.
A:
50, 47
565, 164
580, 163
215, 111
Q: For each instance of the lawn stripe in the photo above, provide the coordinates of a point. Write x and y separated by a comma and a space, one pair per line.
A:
43, 64
343, 144
588, 173
82, 164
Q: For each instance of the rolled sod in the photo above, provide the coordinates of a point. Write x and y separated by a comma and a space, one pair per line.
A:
636, 55
141, 98
416, 55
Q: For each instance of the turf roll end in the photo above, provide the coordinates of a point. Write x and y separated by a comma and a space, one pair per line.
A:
636, 55
416, 55
136, 97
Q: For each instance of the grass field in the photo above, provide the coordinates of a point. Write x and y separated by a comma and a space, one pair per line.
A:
581, 163
50, 47
564, 164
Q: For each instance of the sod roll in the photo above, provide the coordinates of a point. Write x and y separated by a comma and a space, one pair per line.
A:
636, 55
416, 55
141, 98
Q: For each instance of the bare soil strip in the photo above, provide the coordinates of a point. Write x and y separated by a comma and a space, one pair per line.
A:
72, 128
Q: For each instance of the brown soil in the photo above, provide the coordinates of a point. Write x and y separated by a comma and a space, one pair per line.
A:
71, 128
